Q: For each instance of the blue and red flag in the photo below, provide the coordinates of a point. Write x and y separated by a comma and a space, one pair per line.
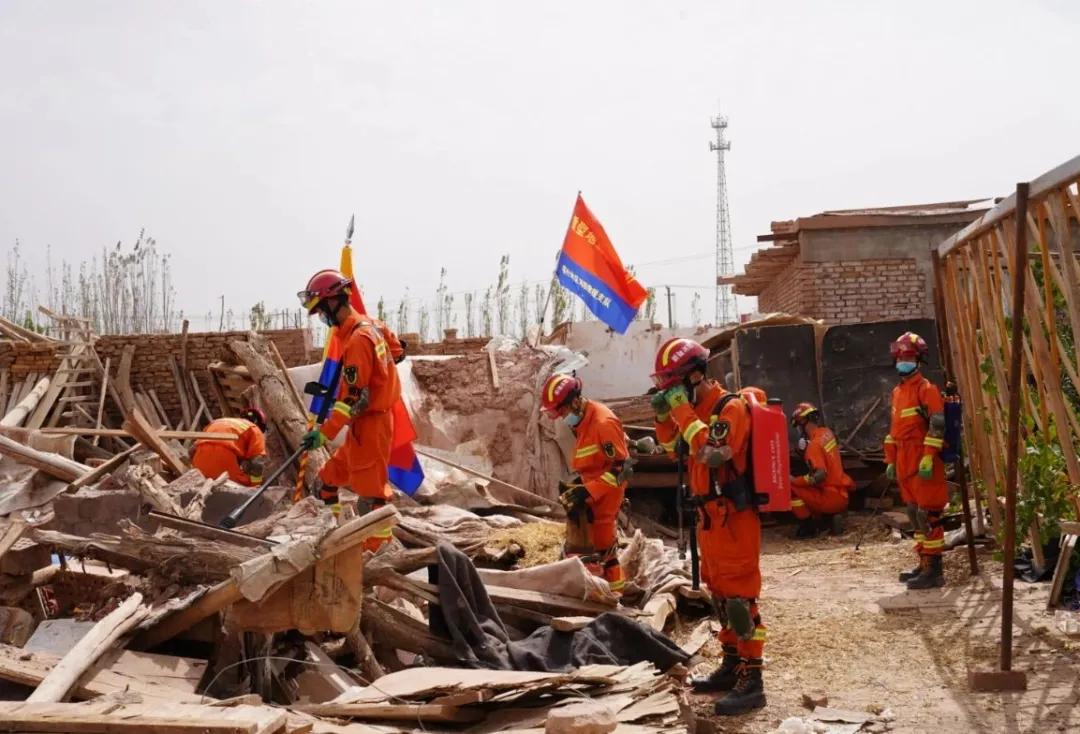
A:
589, 267
405, 471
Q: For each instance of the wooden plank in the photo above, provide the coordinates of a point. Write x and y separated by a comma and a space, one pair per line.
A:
152, 393
27, 405
86, 651
101, 401
522, 496
199, 396
171, 671
211, 532
118, 433
135, 423
424, 713
12, 531
52, 464
39, 720
1067, 173
181, 391
494, 369
219, 394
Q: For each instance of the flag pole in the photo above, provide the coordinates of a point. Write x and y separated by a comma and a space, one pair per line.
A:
554, 277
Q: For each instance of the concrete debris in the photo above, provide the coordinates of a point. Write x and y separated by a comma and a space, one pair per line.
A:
111, 543
581, 717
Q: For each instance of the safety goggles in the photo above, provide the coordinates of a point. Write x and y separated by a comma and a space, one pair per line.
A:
308, 299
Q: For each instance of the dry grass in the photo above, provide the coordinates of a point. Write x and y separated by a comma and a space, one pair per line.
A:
541, 541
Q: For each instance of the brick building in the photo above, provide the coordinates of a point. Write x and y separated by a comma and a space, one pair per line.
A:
852, 266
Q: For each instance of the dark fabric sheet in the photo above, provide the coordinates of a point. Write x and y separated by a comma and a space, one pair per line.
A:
468, 618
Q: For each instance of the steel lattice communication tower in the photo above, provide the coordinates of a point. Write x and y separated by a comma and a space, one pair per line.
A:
725, 255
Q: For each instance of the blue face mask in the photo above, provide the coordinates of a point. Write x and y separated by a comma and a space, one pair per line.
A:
906, 368
572, 419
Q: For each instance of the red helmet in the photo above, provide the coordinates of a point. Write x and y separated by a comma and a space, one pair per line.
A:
754, 393
676, 359
802, 413
256, 416
324, 284
557, 392
909, 345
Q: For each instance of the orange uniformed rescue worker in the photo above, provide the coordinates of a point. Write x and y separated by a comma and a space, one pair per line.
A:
714, 425
367, 391
912, 448
243, 459
823, 491
600, 460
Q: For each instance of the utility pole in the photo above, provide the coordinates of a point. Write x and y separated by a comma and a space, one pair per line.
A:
670, 318
725, 255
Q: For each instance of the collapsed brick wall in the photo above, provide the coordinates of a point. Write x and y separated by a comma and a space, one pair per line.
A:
22, 358
850, 291
150, 365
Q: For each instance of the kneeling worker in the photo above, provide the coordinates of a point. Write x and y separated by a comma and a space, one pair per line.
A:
823, 491
593, 498
243, 459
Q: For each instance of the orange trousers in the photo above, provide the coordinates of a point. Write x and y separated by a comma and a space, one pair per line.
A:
810, 502
729, 544
361, 464
603, 532
929, 494
211, 460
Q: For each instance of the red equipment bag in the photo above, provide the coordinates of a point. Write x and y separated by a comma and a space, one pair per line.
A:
770, 454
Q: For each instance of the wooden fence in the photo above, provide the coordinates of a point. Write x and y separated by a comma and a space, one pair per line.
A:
974, 271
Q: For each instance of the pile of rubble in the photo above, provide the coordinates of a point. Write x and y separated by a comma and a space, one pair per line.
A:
124, 606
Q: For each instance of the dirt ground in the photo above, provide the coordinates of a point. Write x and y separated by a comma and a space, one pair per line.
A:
841, 625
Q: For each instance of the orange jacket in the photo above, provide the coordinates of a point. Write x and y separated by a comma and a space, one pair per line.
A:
214, 457
823, 453
599, 450
365, 362
731, 427
914, 400
251, 442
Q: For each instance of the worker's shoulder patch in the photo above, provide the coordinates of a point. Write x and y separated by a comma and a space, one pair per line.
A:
350, 374
720, 429
609, 449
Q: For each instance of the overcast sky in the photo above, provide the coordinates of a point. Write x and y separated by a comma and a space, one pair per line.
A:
241, 135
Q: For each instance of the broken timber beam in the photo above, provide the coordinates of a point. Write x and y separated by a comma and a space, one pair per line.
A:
54, 465
135, 422
117, 433
26, 405
227, 592
104, 634
279, 396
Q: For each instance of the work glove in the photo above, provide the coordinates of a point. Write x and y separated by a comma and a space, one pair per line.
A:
645, 445
802, 444
574, 497
313, 439
676, 396
659, 405
890, 471
926, 466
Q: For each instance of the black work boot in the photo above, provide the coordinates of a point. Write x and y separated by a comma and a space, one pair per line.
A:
748, 693
906, 576
836, 524
806, 529
721, 679
931, 577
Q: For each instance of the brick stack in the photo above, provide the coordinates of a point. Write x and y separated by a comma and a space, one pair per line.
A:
849, 291
22, 358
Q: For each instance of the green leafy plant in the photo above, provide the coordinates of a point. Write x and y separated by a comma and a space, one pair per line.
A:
1045, 489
